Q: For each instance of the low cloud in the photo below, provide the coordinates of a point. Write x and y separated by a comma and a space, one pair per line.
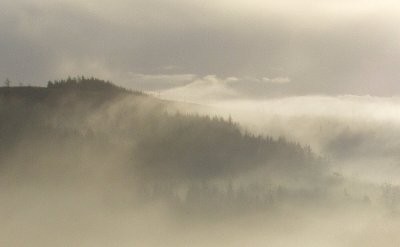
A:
203, 89
214, 88
155, 82
277, 80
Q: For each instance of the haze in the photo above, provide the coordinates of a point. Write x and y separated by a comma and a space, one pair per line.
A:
199, 123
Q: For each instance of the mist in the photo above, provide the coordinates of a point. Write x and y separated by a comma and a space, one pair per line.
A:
86, 163
359, 132
199, 123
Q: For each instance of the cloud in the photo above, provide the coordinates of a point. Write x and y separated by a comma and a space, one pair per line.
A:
277, 80
156, 82
330, 47
212, 87
203, 89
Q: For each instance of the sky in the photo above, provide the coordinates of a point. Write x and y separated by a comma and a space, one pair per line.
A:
217, 49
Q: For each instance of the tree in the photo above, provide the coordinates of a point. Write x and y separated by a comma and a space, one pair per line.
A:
50, 84
7, 82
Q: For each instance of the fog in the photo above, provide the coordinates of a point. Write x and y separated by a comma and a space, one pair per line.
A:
359, 134
89, 166
227, 123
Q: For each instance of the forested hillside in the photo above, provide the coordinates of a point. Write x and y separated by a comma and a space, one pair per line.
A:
80, 127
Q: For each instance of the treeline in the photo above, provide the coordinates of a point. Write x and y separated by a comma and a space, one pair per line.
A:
88, 83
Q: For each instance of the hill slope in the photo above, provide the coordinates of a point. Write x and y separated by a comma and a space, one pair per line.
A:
157, 143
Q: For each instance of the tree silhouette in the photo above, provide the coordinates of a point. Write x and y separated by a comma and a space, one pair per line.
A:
7, 82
